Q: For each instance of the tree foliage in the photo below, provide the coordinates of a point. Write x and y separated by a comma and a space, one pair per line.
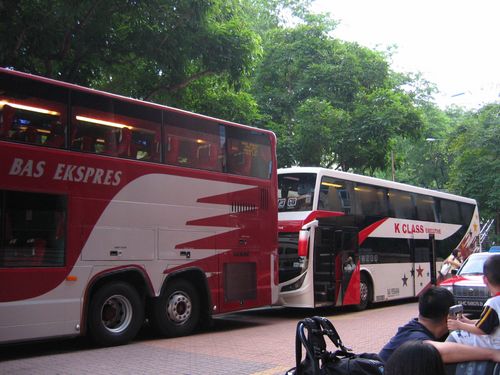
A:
309, 82
145, 49
476, 168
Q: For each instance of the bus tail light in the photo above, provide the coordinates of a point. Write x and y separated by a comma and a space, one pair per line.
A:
303, 243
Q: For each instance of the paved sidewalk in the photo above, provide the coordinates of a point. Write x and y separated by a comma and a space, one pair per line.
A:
252, 343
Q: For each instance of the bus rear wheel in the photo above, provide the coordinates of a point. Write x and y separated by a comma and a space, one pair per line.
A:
177, 311
116, 314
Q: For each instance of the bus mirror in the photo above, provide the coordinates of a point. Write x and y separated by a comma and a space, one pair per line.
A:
303, 243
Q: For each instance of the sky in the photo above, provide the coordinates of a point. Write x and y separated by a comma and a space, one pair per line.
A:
454, 44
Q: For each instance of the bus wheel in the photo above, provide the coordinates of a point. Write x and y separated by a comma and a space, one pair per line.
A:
116, 314
365, 292
177, 311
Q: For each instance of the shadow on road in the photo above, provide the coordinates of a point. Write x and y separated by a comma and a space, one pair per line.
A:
222, 323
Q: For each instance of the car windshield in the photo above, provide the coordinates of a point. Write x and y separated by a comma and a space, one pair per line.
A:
473, 266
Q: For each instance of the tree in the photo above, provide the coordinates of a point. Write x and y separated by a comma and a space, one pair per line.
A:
144, 49
342, 92
475, 171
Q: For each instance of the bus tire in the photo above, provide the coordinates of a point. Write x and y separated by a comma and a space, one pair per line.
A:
116, 314
365, 293
177, 311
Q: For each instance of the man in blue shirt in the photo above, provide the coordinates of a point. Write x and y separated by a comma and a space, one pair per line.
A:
431, 327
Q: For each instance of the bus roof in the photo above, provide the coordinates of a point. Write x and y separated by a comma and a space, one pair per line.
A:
375, 181
73, 86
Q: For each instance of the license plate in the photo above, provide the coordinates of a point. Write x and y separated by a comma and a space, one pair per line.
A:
471, 303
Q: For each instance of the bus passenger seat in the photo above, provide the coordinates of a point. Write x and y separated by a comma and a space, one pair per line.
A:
124, 149
56, 138
7, 117
172, 150
88, 144
207, 157
38, 256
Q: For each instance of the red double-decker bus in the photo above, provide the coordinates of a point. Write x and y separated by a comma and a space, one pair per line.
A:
114, 210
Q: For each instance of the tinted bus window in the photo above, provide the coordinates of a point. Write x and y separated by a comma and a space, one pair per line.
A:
248, 153
194, 143
104, 125
450, 212
426, 208
467, 210
296, 191
336, 195
33, 229
371, 201
32, 112
401, 204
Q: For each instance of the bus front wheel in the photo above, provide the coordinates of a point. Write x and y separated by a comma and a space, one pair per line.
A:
365, 293
177, 311
116, 314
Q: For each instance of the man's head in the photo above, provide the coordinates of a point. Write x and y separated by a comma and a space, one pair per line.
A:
434, 305
491, 270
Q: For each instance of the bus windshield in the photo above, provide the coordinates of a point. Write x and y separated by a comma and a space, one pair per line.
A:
296, 191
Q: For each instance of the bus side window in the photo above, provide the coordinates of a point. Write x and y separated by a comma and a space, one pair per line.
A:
6, 122
33, 231
239, 160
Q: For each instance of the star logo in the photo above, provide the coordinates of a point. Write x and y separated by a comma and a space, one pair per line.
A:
420, 270
412, 272
405, 280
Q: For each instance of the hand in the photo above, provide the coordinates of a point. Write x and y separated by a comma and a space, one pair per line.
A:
453, 324
496, 356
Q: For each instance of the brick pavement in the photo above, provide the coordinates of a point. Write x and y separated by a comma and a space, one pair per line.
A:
257, 343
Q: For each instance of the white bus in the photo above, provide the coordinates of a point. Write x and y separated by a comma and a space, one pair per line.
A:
347, 239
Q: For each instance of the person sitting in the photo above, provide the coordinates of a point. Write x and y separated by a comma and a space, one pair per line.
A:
431, 327
485, 331
415, 358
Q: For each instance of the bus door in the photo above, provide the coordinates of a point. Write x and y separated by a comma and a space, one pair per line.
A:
336, 266
420, 251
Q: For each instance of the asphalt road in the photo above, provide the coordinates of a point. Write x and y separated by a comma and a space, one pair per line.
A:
260, 342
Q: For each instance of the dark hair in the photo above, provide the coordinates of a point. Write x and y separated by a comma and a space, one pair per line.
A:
491, 269
455, 252
435, 303
415, 358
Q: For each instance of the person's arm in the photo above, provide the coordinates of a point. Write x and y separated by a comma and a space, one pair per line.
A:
452, 352
454, 324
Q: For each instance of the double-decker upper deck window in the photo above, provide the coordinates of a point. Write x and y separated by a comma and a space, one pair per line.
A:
32, 111
336, 195
193, 142
112, 127
371, 201
401, 205
426, 208
248, 153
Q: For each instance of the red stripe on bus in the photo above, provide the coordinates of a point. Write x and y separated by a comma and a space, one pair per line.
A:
363, 234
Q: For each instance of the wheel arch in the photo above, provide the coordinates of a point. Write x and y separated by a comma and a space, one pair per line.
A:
367, 274
136, 276
197, 277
